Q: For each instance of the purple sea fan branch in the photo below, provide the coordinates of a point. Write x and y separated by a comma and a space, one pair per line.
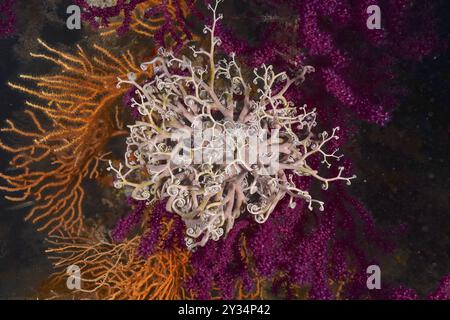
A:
126, 224
402, 292
219, 265
152, 236
172, 23
8, 18
98, 13
354, 66
443, 290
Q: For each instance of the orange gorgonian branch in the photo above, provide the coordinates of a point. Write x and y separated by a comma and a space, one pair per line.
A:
73, 113
116, 270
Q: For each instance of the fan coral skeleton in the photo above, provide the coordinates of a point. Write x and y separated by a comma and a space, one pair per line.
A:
213, 180
73, 116
116, 271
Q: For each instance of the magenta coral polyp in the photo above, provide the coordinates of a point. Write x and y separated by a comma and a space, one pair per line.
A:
8, 18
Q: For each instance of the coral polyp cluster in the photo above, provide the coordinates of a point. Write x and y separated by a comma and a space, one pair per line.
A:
215, 145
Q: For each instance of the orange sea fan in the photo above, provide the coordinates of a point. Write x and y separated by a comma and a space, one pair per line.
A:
76, 111
115, 271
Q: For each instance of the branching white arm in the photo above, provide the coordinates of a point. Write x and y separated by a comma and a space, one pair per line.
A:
195, 142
